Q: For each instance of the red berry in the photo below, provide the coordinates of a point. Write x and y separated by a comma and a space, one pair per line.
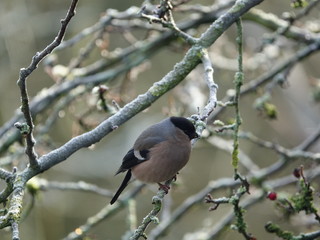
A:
272, 196
296, 172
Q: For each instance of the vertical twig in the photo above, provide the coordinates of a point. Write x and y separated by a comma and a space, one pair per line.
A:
212, 101
17, 183
15, 231
132, 215
152, 216
24, 74
240, 224
238, 81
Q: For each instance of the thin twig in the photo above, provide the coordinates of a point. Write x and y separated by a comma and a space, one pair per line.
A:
104, 213
152, 216
174, 77
16, 185
274, 23
227, 145
62, 103
265, 77
44, 185
305, 11
225, 183
4, 174
24, 74
238, 81
15, 231
213, 87
289, 153
171, 25
140, 50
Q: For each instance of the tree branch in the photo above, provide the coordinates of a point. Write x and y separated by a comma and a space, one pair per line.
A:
137, 53
213, 87
252, 85
107, 211
24, 74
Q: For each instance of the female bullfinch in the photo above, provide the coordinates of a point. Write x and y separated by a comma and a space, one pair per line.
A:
158, 153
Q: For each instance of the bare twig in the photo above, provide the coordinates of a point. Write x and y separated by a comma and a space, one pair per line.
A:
105, 20
264, 78
290, 20
133, 108
227, 219
4, 174
15, 231
272, 22
24, 74
289, 153
169, 23
230, 183
305, 11
197, 8
139, 51
227, 145
43, 184
104, 213
308, 236
62, 103
213, 87
238, 81
224, 183
16, 184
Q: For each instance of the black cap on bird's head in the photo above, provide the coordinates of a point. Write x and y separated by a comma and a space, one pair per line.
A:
185, 125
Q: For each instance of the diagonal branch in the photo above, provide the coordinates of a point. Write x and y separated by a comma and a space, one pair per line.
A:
44, 100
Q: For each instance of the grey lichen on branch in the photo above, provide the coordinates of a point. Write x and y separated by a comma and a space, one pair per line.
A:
152, 216
180, 71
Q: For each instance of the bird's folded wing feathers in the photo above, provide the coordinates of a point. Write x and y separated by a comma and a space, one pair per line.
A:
130, 160
139, 153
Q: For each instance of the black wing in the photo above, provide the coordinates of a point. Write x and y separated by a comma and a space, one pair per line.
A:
130, 160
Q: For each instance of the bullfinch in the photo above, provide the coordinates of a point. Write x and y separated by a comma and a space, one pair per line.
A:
158, 153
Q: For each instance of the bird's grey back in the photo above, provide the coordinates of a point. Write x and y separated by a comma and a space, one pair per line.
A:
154, 134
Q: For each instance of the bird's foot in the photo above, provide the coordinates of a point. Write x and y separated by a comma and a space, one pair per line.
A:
164, 187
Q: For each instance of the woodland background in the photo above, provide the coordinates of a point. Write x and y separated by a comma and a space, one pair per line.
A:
279, 130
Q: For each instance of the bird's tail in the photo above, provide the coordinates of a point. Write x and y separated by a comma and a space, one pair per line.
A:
122, 187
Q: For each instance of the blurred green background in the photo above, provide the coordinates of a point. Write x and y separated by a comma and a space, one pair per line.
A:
27, 26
